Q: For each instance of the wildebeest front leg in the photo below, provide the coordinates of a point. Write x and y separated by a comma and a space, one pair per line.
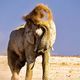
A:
45, 64
29, 71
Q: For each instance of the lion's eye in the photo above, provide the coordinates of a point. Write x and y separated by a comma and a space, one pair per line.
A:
39, 31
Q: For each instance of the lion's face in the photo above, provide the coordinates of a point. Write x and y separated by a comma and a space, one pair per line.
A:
41, 30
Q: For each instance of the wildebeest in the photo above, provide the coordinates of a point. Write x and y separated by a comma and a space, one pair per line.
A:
34, 38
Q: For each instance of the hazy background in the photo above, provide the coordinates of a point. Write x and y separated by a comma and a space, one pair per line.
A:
66, 16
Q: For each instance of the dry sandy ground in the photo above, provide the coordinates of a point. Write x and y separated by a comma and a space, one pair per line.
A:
60, 68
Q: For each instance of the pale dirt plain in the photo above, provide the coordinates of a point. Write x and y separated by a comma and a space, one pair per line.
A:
60, 68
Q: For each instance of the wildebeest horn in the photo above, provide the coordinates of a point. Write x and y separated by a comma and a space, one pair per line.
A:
39, 34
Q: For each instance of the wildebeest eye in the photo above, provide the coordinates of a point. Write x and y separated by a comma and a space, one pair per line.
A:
39, 31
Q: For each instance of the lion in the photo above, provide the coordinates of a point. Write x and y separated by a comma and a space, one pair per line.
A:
30, 40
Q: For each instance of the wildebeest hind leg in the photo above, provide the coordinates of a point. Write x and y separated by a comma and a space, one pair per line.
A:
15, 65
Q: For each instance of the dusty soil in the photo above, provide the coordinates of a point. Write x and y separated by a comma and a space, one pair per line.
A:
60, 68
